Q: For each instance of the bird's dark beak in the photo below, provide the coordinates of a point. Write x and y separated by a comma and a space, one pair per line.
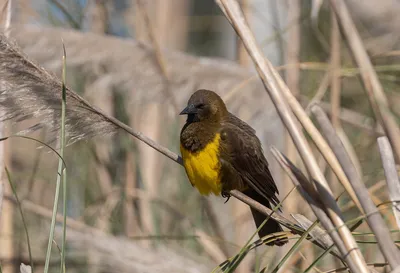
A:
190, 109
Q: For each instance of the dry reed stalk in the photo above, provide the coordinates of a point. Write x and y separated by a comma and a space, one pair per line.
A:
392, 178
274, 86
98, 23
374, 218
159, 57
156, 30
335, 62
103, 100
241, 53
335, 84
336, 91
309, 194
292, 76
150, 163
321, 91
355, 119
131, 226
335, 94
144, 33
315, 135
372, 191
293, 82
98, 16
372, 85
171, 19
319, 141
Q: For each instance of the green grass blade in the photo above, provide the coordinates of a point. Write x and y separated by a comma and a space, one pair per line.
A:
53, 223
323, 254
22, 217
58, 184
294, 247
231, 264
39, 141
60, 163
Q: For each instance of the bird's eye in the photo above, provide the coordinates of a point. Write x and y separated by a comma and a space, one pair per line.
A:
201, 106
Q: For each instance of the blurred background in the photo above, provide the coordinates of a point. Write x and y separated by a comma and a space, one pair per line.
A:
130, 208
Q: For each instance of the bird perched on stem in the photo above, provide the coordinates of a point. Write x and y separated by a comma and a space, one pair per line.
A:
221, 153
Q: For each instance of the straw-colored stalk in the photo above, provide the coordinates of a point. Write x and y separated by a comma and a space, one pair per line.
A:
292, 76
149, 163
154, 32
372, 85
374, 218
292, 80
241, 53
275, 87
319, 141
98, 16
310, 195
392, 178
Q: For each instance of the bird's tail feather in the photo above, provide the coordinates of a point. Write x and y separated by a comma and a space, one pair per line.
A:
271, 226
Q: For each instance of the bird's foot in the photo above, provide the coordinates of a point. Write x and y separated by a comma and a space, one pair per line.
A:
226, 195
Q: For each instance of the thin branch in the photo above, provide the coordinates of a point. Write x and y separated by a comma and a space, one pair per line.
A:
275, 86
374, 218
392, 178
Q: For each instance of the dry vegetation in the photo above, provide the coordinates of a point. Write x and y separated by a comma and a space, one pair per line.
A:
329, 126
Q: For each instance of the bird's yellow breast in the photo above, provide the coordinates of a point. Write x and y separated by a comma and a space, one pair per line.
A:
203, 167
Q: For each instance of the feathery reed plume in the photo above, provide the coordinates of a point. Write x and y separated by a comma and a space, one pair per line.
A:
29, 91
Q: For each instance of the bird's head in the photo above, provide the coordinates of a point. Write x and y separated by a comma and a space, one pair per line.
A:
204, 105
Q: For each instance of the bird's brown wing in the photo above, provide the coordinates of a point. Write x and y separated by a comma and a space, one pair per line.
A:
232, 119
241, 152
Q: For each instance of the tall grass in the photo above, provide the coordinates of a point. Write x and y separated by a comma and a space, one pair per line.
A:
61, 176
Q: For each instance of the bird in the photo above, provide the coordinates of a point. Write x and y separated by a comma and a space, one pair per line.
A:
220, 153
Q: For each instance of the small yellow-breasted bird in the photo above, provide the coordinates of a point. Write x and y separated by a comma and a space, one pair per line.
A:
221, 153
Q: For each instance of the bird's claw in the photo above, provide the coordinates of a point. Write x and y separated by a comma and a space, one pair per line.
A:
226, 195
